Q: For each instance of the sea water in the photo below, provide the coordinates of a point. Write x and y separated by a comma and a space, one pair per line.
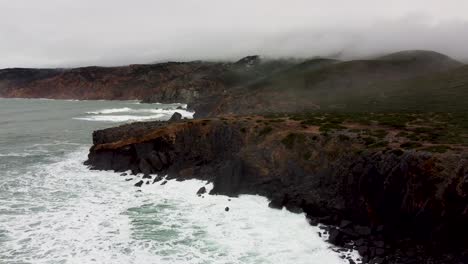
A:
53, 209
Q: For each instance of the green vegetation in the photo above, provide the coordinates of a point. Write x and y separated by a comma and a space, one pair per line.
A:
440, 128
411, 145
379, 144
402, 82
437, 149
327, 127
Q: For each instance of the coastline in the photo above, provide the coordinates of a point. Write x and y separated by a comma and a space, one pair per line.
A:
380, 201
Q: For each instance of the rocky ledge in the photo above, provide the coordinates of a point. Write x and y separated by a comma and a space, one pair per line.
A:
392, 199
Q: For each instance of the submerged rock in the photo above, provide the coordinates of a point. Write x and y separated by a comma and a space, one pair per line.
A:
201, 191
157, 179
175, 117
138, 184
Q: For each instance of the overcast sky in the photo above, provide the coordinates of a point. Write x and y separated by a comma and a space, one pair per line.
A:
65, 33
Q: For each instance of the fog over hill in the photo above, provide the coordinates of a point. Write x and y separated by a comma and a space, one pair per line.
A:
109, 33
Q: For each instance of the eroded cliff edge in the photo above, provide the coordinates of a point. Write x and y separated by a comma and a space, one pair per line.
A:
395, 193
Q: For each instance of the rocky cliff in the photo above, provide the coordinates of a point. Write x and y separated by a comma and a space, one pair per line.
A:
174, 82
197, 83
394, 200
254, 85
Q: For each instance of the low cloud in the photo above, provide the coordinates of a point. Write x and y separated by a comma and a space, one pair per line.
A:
66, 33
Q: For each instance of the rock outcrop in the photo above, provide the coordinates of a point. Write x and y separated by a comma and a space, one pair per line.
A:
393, 205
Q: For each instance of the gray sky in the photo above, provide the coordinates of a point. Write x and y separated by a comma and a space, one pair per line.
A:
50, 33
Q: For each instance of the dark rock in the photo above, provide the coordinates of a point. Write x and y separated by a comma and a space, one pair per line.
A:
379, 251
379, 243
147, 182
359, 242
313, 221
157, 179
128, 179
349, 231
123, 174
180, 108
335, 237
249, 61
163, 183
146, 176
379, 229
276, 203
295, 209
145, 167
139, 184
226, 209
327, 220
363, 250
365, 259
175, 117
362, 230
201, 191
345, 223
377, 260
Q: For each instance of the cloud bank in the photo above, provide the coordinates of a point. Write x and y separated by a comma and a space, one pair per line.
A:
67, 33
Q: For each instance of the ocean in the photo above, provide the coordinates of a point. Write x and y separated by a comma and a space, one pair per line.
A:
53, 209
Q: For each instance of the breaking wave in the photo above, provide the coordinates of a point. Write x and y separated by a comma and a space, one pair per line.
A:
64, 213
125, 114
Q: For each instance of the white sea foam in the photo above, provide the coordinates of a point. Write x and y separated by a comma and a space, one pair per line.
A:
121, 118
111, 111
145, 110
83, 216
129, 114
15, 154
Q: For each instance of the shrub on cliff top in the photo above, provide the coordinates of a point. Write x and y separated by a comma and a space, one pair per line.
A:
437, 149
411, 145
291, 139
266, 130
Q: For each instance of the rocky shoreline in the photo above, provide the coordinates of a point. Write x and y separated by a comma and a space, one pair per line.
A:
348, 148
391, 203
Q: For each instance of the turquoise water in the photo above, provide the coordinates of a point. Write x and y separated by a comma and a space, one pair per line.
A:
54, 210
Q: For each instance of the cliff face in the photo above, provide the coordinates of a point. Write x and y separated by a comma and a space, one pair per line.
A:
166, 82
253, 85
389, 194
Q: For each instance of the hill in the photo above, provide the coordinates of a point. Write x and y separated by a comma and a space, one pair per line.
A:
323, 84
407, 80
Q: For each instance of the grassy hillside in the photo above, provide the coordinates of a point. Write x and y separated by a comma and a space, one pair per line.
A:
412, 80
447, 91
